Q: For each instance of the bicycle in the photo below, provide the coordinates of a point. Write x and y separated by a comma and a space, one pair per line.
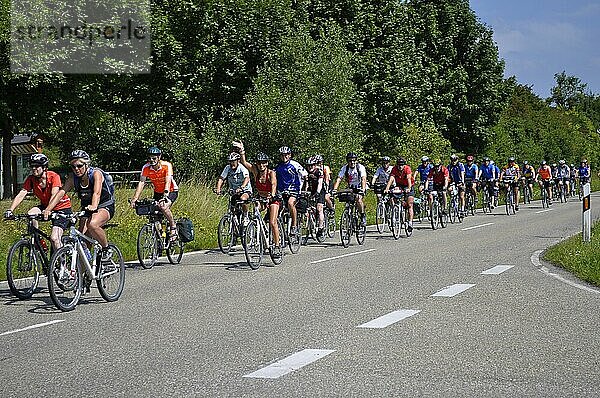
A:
155, 236
330, 223
349, 222
527, 194
383, 210
509, 196
436, 213
308, 219
259, 238
563, 191
487, 192
27, 258
544, 194
454, 212
470, 199
231, 225
400, 215
74, 267
292, 238
582, 182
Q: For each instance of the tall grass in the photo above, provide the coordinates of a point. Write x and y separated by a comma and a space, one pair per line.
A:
196, 201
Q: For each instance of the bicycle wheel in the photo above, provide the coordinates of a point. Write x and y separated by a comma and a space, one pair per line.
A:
405, 217
305, 223
565, 193
65, 279
380, 216
330, 223
443, 217
253, 247
147, 246
175, 250
507, 199
453, 210
361, 230
396, 221
434, 210
22, 269
225, 233
486, 201
294, 239
276, 253
111, 279
345, 228
472, 204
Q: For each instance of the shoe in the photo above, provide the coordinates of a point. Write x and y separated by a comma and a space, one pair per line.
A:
516, 208
492, 207
410, 227
106, 254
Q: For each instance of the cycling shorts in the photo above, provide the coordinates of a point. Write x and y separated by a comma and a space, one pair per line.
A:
172, 196
60, 222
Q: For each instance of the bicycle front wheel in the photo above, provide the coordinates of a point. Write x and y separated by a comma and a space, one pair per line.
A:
22, 269
65, 279
330, 223
433, 215
396, 221
294, 237
147, 246
361, 230
253, 248
380, 217
345, 228
225, 233
276, 252
111, 279
175, 250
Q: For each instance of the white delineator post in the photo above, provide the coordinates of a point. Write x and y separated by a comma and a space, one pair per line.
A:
587, 214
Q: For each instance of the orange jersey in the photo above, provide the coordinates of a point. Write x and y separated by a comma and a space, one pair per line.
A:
159, 177
544, 173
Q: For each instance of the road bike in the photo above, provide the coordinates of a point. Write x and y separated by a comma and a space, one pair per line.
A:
400, 215
231, 224
308, 219
526, 192
487, 194
259, 238
563, 192
28, 258
509, 196
155, 236
454, 212
350, 222
544, 194
383, 210
470, 199
293, 239
330, 223
74, 267
437, 217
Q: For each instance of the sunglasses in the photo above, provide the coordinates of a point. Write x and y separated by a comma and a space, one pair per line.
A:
77, 166
153, 158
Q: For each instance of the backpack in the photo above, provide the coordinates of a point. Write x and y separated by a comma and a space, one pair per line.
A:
185, 229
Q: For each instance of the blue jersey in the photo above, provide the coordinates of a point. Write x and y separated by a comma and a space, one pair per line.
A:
424, 171
471, 171
487, 172
497, 170
456, 171
584, 171
289, 176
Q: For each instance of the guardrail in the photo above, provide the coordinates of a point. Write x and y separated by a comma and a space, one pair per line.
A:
125, 178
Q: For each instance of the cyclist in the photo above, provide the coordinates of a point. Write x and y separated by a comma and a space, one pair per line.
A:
290, 176
438, 179
574, 175
510, 176
422, 172
471, 176
489, 177
96, 192
238, 180
382, 175
160, 174
457, 175
544, 175
402, 176
563, 174
528, 175
326, 182
44, 183
584, 173
356, 177
265, 182
315, 185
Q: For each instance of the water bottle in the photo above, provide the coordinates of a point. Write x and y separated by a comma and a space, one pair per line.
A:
44, 245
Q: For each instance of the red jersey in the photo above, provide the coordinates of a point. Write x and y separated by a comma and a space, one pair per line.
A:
438, 177
44, 194
402, 175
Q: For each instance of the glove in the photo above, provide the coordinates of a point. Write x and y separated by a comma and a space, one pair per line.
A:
8, 214
238, 146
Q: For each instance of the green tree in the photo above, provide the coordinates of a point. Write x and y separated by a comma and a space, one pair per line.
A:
568, 92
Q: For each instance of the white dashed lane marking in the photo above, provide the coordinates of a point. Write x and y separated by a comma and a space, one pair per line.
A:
39, 325
478, 226
498, 269
342, 256
453, 290
389, 319
289, 364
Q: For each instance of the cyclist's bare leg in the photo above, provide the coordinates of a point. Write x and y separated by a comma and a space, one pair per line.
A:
321, 215
93, 226
34, 211
165, 208
328, 201
292, 208
55, 237
410, 201
273, 212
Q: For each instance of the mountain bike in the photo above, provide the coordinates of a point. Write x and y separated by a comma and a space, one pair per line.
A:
454, 212
259, 238
350, 222
74, 267
155, 236
231, 224
509, 196
28, 258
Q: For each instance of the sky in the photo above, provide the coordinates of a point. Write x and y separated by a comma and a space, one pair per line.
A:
539, 38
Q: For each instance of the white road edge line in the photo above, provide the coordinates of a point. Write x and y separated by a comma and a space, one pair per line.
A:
498, 269
289, 364
342, 256
388, 319
39, 325
453, 290
543, 211
478, 226
535, 260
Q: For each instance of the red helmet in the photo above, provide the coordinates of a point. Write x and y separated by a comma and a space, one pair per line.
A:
469, 158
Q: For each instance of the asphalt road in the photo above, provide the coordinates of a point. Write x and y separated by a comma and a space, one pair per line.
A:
209, 328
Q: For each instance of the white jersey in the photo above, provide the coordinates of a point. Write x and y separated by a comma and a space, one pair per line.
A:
354, 175
235, 178
383, 174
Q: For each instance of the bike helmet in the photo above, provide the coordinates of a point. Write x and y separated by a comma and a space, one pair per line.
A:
525, 162
544, 163
561, 162
511, 159
79, 154
470, 158
554, 165
486, 159
310, 161
438, 162
453, 157
284, 150
385, 159
38, 159
425, 159
233, 156
318, 159
401, 161
572, 165
351, 156
584, 161
262, 157
154, 151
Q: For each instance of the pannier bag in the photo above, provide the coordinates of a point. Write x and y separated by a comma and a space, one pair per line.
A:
346, 196
185, 229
